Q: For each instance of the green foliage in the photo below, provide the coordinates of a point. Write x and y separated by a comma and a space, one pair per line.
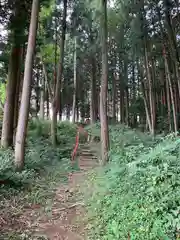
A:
138, 192
45, 168
47, 9
67, 129
48, 51
40, 157
2, 92
94, 130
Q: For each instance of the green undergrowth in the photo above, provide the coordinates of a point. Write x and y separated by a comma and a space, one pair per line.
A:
41, 158
137, 194
45, 168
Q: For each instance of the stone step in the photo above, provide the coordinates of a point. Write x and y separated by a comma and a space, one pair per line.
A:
84, 146
85, 168
88, 157
86, 150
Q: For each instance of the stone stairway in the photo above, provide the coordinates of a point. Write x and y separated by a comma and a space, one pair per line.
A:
87, 159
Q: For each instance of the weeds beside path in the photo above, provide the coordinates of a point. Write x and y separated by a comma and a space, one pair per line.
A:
58, 217
68, 205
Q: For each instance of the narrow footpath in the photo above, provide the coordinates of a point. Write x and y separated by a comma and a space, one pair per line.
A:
68, 205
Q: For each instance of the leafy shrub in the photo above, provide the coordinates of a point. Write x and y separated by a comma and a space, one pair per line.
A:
39, 128
94, 129
42, 128
8, 176
66, 132
40, 155
137, 194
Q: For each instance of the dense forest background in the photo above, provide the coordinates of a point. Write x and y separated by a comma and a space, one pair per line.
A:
116, 63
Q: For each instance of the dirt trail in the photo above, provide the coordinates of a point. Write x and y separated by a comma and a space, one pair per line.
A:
67, 206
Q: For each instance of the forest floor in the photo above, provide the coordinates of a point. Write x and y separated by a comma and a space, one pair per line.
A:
61, 219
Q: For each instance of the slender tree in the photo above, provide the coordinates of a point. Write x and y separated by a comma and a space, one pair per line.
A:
75, 81
14, 72
104, 86
42, 94
13, 78
56, 100
26, 91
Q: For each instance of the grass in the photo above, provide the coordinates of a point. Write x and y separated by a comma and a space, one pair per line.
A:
137, 194
45, 168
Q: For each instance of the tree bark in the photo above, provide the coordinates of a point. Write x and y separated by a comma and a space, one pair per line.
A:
148, 118
104, 87
114, 96
42, 91
47, 104
9, 107
93, 92
126, 93
75, 81
26, 91
37, 91
151, 97
168, 105
172, 42
142, 86
127, 105
134, 117
56, 100
171, 92
61, 107
17, 97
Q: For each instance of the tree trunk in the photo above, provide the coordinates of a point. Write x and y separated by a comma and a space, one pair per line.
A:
171, 92
26, 91
97, 105
121, 92
104, 87
173, 43
151, 97
121, 103
93, 92
134, 117
9, 107
48, 88
17, 96
167, 72
168, 105
47, 104
148, 118
82, 105
37, 91
126, 94
60, 107
42, 98
56, 103
114, 95
77, 113
127, 105
75, 81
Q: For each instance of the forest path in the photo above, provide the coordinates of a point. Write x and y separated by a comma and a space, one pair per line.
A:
68, 206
